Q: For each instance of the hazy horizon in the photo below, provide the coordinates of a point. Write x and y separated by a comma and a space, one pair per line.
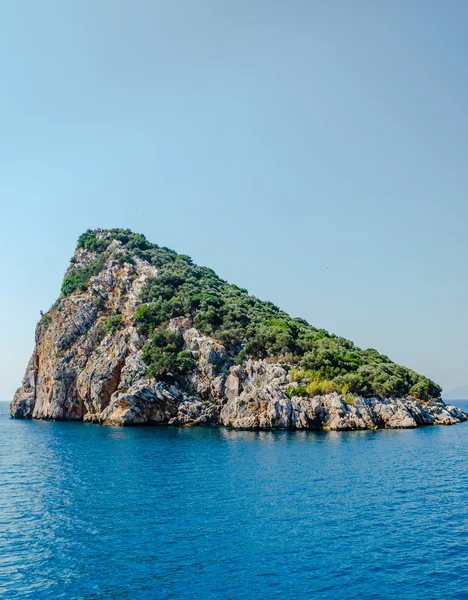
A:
314, 153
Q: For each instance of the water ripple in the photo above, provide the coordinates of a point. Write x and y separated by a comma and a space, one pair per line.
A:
157, 513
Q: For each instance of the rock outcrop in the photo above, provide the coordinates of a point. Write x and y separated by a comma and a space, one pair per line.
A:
84, 369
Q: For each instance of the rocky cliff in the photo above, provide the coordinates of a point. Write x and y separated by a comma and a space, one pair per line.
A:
140, 335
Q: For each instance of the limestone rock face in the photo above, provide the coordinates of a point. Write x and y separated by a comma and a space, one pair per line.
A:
76, 366
269, 408
82, 368
24, 400
145, 402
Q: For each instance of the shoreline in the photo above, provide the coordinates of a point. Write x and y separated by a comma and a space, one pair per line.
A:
321, 413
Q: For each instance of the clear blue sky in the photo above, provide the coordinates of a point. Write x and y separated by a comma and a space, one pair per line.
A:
313, 152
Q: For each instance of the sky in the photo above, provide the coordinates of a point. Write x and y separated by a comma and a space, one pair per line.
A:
314, 152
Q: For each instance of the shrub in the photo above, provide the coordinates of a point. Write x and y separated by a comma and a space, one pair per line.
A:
45, 321
164, 356
99, 302
425, 389
113, 323
126, 257
90, 241
300, 391
79, 276
293, 374
73, 282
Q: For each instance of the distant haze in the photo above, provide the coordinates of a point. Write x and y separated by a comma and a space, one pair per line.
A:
312, 152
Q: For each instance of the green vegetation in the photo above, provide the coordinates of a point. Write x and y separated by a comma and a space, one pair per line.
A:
46, 320
247, 326
113, 323
164, 355
79, 277
90, 241
312, 385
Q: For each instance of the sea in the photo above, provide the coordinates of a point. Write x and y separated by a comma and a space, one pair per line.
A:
92, 512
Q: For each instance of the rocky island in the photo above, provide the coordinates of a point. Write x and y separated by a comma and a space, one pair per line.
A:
141, 335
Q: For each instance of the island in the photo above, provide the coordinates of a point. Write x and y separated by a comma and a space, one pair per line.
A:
140, 335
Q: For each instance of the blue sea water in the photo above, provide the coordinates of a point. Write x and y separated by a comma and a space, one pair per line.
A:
90, 512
